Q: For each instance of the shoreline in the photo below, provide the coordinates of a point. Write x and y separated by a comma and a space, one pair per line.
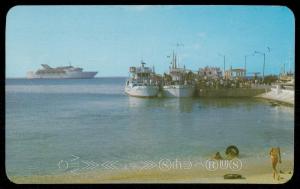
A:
253, 172
282, 96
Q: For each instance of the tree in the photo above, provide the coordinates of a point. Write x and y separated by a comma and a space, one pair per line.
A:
270, 79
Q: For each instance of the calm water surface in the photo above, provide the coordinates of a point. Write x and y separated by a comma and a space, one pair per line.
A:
52, 120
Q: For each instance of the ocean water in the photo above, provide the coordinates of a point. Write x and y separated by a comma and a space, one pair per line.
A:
50, 121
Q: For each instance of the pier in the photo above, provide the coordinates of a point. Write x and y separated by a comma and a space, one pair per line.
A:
209, 82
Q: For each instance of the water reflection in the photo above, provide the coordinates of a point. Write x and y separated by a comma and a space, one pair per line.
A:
227, 102
179, 104
170, 104
282, 108
189, 104
136, 102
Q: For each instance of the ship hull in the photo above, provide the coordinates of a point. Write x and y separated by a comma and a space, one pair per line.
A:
142, 91
179, 91
68, 75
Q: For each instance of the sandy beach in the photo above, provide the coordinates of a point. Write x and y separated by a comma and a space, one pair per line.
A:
260, 172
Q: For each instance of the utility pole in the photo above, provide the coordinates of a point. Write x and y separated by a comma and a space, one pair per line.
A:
264, 63
224, 60
264, 66
224, 64
245, 65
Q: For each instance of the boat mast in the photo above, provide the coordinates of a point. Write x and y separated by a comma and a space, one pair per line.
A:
175, 60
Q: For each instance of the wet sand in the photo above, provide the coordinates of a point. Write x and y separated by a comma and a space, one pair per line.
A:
259, 172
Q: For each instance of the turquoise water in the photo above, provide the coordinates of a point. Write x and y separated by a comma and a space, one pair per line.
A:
52, 120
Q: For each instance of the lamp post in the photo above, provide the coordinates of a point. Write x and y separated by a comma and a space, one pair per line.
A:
223, 62
245, 66
264, 55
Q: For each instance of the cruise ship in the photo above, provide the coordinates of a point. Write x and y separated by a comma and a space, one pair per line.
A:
178, 85
141, 82
64, 72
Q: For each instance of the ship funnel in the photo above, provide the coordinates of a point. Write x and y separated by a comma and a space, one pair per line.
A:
46, 66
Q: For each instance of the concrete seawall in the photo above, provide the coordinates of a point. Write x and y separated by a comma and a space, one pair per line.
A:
280, 95
231, 92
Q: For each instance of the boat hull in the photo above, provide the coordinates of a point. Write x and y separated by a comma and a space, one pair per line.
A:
142, 91
179, 91
68, 75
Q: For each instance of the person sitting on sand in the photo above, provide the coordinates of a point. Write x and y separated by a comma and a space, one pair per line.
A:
217, 156
275, 158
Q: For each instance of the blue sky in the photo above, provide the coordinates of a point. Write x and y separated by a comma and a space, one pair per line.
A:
109, 39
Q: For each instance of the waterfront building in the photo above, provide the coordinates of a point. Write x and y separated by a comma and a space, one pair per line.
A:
235, 73
210, 72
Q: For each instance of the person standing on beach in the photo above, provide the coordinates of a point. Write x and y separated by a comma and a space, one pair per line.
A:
275, 158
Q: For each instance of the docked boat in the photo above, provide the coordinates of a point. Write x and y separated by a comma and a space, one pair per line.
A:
178, 85
178, 90
141, 83
63, 72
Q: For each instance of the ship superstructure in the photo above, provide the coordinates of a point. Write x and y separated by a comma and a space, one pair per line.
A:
63, 72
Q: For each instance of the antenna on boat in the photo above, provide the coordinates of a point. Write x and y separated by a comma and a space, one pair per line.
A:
173, 60
176, 58
142, 62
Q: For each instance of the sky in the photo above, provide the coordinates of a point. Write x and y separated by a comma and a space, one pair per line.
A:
110, 39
